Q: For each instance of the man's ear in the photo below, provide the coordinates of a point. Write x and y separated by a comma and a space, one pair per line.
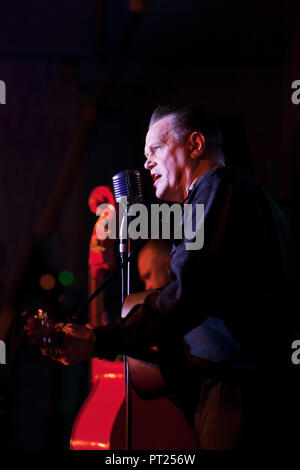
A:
196, 144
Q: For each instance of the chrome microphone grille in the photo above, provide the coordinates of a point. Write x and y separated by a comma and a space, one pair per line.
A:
128, 184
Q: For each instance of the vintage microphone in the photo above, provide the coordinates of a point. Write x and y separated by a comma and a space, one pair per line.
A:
127, 190
128, 184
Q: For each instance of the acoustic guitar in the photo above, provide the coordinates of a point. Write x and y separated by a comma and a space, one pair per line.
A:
157, 422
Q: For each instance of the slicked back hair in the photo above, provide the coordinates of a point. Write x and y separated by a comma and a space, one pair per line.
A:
187, 120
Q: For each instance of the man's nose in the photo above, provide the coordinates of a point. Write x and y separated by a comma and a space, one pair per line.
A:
149, 164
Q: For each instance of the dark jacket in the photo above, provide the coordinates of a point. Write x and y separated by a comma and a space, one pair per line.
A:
243, 278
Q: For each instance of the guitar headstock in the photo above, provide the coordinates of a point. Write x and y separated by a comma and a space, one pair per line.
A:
41, 330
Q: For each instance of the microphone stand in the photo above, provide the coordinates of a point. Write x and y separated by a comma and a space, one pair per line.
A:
125, 252
128, 388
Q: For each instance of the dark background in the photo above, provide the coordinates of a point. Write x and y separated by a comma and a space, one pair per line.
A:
82, 77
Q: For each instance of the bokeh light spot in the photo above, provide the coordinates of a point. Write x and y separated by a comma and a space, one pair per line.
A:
66, 278
47, 281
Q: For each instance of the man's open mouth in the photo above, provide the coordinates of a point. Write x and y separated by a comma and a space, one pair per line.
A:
155, 177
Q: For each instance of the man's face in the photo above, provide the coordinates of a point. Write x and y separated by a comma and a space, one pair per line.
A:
153, 269
166, 160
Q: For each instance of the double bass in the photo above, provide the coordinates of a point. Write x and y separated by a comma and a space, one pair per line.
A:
100, 424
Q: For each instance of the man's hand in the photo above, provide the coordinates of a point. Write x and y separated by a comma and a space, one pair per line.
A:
78, 344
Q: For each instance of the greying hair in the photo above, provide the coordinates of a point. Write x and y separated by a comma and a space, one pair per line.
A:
187, 120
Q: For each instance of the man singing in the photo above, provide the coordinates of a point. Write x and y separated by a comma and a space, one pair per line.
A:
234, 382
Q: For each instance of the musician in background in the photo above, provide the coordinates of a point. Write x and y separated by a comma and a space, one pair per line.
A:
154, 264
